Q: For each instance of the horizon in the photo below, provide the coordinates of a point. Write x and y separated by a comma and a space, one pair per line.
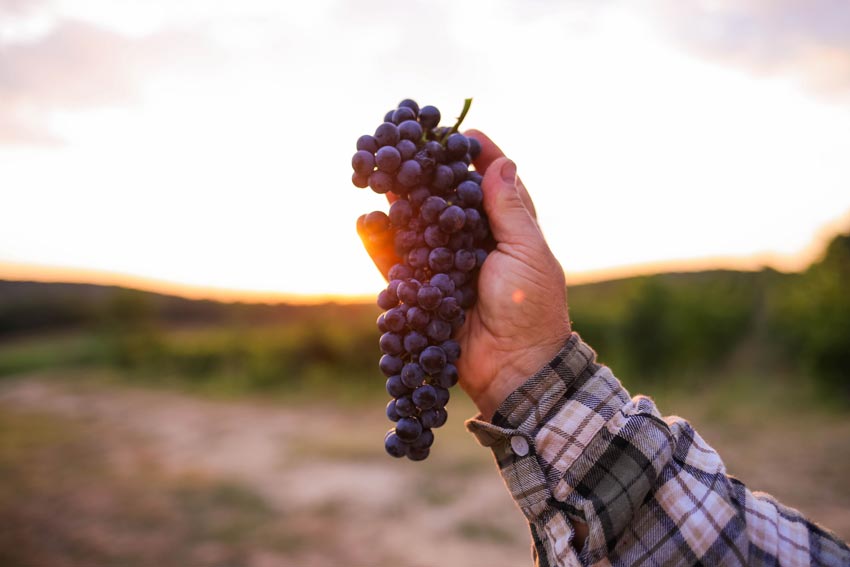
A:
794, 263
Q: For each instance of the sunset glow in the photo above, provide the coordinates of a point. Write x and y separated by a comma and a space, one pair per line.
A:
205, 150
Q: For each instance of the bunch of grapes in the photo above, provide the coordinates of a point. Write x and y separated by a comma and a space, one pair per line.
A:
431, 246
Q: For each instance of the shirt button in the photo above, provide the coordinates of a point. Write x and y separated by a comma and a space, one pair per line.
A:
519, 445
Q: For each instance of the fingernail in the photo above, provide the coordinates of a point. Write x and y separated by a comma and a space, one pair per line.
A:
508, 172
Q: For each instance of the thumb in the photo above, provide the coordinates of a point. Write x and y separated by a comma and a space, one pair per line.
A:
510, 220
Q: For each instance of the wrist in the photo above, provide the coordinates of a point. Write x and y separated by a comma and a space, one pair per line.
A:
517, 369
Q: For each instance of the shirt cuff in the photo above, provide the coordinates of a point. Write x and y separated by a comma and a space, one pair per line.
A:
512, 433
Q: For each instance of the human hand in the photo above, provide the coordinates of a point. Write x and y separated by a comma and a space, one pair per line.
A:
520, 320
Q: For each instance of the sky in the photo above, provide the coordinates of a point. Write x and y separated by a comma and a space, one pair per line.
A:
205, 146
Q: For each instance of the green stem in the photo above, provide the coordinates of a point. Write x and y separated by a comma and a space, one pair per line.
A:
466, 104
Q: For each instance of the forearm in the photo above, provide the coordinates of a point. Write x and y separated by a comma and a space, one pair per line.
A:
573, 447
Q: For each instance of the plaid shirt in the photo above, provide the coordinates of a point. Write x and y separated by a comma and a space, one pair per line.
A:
572, 444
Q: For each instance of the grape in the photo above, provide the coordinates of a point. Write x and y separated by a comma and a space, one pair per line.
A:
457, 146
432, 360
412, 375
395, 387
437, 229
408, 428
395, 446
409, 174
368, 143
363, 162
403, 114
425, 397
388, 159
387, 134
392, 414
451, 219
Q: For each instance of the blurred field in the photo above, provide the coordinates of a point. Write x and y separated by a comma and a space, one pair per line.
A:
139, 429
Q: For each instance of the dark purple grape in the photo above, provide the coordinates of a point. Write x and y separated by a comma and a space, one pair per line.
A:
460, 171
441, 259
388, 117
363, 162
470, 194
414, 342
387, 299
452, 350
459, 278
405, 240
417, 318
457, 146
405, 407
475, 176
412, 375
451, 219
395, 446
368, 143
442, 394
410, 130
376, 221
387, 134
439, 330
408, 428
480, 256
474, 148
394, 319
392, 414
431, 209
429, 297
419, 257
407, 149
444, 283
424, 397
443, 179
418, 196
388, 159
390, 365
461, 240
400, 272
447, 377
432, 360
409, 174
382, 326
473, 218
435, 237
465, 260
400, 213
429, 117
402, 114
425, 440
361, 181
449, 309
391, 343
395, 387
433, 418
408, 290
418, 453
411, 104
381, 182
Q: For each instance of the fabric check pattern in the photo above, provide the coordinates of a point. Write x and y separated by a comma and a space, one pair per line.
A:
572, 444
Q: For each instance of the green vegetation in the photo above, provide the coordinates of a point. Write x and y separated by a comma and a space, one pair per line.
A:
663, 331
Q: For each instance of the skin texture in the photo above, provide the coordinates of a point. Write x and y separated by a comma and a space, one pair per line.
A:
520, 320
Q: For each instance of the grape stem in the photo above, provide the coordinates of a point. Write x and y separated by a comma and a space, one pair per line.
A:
466, 104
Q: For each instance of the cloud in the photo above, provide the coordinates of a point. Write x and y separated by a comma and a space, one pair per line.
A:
75, 65
809, 39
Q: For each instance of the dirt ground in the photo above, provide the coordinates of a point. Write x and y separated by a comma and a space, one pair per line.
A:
106, 475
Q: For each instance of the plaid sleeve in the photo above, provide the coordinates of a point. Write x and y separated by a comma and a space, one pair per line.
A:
572, 444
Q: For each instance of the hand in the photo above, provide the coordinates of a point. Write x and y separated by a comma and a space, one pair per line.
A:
520, 320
